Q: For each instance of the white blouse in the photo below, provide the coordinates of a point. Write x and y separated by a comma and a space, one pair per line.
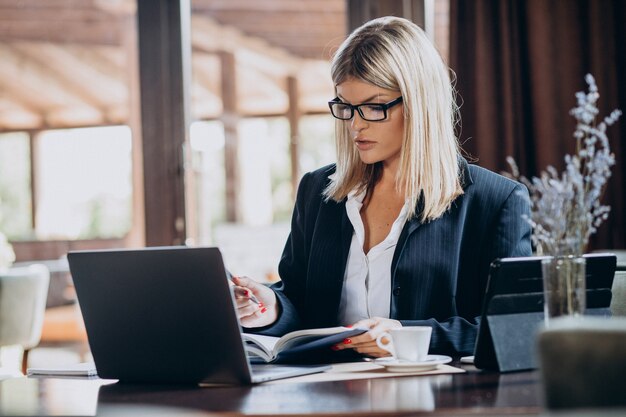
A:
367, 281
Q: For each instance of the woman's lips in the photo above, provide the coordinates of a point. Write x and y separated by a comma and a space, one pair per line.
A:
363, 144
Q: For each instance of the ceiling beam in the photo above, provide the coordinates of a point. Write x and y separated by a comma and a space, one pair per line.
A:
86, 33
47, 4
77, 76
210, 37
15, 116
110, 60
329, 6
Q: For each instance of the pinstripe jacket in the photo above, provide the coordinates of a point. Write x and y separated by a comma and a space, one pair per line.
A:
439, 269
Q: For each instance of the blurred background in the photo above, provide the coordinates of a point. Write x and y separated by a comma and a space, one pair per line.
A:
129, 123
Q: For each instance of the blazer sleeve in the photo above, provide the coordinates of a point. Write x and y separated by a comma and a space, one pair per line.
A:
510, 237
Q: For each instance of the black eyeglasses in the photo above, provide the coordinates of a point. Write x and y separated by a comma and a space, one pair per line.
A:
372, 112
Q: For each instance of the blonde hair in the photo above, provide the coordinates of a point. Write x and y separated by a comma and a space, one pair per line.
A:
395, 54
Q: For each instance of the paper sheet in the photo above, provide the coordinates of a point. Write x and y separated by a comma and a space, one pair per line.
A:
362, 370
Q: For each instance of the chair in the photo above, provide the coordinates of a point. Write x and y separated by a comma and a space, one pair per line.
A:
23, 294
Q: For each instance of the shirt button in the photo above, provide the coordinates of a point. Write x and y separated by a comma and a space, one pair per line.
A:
396, 291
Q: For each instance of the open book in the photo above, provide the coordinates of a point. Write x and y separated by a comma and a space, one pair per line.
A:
298, 345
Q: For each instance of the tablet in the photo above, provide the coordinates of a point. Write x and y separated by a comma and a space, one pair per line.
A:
513, 308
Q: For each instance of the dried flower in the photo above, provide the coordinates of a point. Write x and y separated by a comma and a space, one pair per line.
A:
565, 208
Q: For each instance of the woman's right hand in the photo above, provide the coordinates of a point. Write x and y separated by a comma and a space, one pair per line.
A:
251, 314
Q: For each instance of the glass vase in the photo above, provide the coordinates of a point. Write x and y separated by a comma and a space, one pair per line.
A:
564, 286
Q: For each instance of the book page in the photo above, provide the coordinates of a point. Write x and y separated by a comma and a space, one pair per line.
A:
256, 342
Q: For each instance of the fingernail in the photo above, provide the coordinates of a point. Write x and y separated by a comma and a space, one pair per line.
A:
349, 326
334, 347
245, 293
347, 341
263, 310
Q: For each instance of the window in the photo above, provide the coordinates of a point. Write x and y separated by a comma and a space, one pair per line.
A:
261, 81
15, 197
68, 75
84, 183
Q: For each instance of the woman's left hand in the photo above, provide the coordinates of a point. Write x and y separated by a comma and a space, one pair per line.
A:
365, 343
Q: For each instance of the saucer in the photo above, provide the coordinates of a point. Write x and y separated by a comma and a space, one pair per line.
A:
395, 365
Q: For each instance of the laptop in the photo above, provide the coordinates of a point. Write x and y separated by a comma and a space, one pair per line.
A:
165, 315
513, 309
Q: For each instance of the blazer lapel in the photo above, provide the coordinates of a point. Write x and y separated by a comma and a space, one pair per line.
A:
411, 226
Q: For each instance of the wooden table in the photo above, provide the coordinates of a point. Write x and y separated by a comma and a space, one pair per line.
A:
473, 393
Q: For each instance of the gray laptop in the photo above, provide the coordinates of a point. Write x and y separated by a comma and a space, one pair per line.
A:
165, 315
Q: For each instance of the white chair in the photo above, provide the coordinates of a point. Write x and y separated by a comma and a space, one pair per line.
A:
23, 294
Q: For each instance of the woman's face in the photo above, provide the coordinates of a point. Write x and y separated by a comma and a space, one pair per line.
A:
376, 141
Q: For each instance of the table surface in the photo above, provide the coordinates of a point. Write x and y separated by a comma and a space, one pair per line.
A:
472, 393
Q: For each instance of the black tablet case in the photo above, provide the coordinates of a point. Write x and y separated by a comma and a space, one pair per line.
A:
513, 309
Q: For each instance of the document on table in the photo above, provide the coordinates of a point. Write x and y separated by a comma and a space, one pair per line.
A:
85, 369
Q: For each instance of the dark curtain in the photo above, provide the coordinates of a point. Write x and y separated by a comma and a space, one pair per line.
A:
518, 65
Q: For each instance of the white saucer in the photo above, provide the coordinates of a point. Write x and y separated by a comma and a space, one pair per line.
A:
431, 362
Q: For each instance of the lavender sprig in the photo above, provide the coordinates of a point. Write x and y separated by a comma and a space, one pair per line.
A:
565, 208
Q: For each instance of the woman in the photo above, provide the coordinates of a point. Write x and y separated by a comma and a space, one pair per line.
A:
401, 231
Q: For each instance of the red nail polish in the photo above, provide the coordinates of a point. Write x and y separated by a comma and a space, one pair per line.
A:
263, 310
245, 293
334, 347
347, 341
349, 326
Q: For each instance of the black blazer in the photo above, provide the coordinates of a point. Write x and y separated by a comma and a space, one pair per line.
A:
439, 269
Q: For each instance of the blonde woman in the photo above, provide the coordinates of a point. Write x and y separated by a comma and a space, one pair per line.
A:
401, 230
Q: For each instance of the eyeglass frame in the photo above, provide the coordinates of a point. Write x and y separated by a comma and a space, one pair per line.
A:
357, 107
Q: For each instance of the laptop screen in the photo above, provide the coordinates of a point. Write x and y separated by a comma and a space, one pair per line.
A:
161, 314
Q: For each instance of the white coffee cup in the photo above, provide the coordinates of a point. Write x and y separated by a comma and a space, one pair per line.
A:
407, 343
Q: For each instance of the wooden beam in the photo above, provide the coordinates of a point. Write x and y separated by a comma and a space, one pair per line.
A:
86, 33
110, 60
78, 78
206, 68
230, 119
329, 6
36, 88
294, 129
210, 37
15, 116
48, 4
69, 14
76, 74
54, 249
279, 20
164, 79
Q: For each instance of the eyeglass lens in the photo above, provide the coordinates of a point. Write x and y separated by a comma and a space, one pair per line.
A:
370, 112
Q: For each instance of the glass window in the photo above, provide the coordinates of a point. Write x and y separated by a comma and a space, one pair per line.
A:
15, 188
84, 183
68, 77
251, 65
317, 142
207, 145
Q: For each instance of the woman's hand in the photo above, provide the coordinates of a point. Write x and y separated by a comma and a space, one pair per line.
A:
250, 313
365, 343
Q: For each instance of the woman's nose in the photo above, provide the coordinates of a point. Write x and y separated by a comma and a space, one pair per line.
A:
357, 123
